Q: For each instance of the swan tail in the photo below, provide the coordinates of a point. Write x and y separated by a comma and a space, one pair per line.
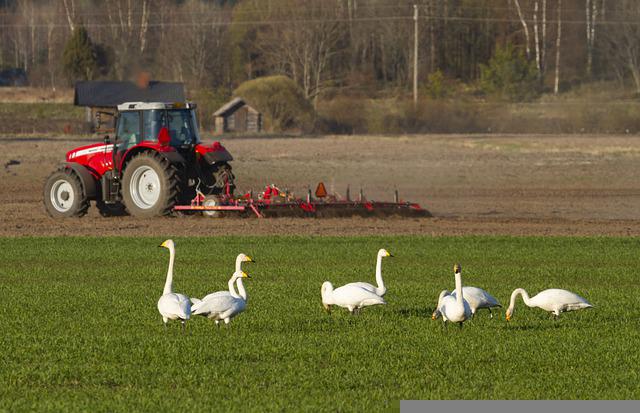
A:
195, 301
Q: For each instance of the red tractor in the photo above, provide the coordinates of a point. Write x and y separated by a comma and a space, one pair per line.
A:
155, 161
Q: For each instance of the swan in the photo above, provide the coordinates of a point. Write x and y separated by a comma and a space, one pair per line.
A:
223, 307
239, 260
553, 300
476, 297
455, 308
380, 289
173, 306
351, 297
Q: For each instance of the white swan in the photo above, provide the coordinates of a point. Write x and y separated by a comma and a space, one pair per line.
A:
554, 300
455, 308
380, 289
476, 297
239, 260
223, 307
348, 296
173, 306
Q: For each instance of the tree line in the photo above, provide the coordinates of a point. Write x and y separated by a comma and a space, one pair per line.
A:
328, 47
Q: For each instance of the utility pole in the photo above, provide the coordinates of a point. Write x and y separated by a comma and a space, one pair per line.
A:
415, 55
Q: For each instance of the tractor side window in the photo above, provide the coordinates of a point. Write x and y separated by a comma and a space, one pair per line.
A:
181, 128
128, 130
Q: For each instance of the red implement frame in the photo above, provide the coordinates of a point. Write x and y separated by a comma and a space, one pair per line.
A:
274, 202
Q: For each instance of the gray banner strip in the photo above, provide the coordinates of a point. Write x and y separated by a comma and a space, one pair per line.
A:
520, 406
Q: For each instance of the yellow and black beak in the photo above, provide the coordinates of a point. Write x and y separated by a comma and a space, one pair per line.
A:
245, 275
249, 259
163, 245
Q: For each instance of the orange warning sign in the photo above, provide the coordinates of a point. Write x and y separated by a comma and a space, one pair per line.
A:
321, 191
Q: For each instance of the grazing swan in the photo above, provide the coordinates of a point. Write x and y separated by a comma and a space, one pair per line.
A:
239, 260
351, 297
476, 297
554, 300
223, 307
173, 306
380, 289
455, 308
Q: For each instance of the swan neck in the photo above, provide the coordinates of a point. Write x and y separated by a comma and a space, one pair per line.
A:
514, 295
232, 289
241, 291
168, 284
238, 264
379, 273
459, 297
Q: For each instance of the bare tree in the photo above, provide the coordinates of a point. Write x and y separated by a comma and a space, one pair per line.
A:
556, 83
525, 27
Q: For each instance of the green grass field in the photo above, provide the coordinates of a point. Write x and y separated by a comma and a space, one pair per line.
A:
80, 328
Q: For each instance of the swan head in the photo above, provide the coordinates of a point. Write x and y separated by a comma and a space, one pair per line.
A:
457, 268
509, 314
244, 258
168, 244
241, 274
384, 253
325, 292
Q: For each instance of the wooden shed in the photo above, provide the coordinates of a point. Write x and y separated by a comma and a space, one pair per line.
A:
237, 116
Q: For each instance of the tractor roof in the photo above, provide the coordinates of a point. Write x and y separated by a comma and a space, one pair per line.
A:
154, 105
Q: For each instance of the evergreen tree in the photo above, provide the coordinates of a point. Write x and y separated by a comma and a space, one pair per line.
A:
79, 57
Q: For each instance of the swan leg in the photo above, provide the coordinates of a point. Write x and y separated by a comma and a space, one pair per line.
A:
460, 325
184, 327
490, 313
226, 321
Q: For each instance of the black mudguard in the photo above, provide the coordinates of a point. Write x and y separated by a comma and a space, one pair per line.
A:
217, 156
89, 183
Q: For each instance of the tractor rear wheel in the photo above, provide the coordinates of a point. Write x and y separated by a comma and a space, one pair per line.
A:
149, 185
64, 195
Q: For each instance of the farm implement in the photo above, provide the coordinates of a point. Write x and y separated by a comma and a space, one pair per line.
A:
156, 165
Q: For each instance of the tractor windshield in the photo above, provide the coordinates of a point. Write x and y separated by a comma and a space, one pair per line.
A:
181, 124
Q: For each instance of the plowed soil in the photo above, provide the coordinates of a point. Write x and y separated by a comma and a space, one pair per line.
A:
511, 185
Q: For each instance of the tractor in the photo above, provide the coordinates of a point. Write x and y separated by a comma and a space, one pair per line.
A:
154, 162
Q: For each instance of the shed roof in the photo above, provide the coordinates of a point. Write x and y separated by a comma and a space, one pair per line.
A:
230, 106
113, 93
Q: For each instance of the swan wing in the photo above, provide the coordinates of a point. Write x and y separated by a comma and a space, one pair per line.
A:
175, 305
557, 299
216, 305
364, 285
216, 294
352, 295
479, 298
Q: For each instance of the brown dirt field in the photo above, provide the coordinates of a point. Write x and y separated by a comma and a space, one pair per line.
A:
511, 185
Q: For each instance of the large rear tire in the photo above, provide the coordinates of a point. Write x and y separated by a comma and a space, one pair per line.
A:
64, 195
149, 185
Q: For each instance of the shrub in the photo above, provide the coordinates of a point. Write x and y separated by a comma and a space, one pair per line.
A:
509, 75
281, 102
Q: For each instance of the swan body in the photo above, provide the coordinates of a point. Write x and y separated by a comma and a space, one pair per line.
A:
351, 297
173, 306
476, 297
553, 300
224, 307
455, 309
380, 289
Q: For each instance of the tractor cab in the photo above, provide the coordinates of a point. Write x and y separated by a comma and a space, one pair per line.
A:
168, 125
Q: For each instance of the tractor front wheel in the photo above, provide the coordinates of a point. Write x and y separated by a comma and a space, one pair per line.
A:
149, 185
64, 195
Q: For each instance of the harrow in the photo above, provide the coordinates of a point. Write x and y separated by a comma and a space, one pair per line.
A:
274, 202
